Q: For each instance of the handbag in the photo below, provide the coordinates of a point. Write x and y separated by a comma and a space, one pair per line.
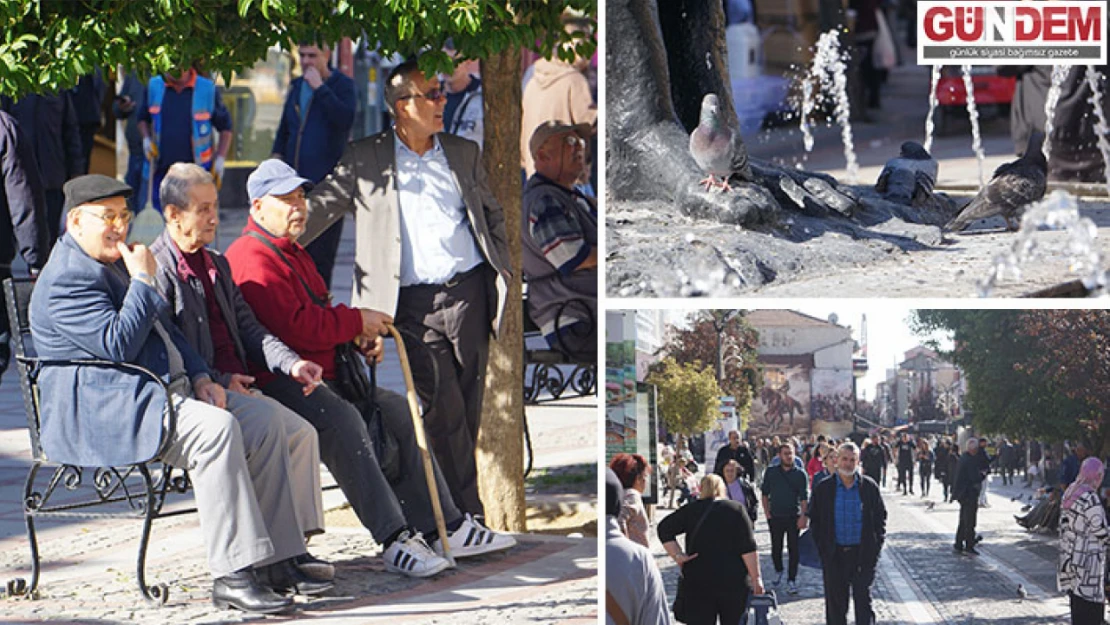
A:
764, 610
885, 54
352, 384
681, 601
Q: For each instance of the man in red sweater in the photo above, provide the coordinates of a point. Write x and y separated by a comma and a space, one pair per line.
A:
275, 274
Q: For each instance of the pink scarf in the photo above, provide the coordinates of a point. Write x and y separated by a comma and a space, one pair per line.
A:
1089, 480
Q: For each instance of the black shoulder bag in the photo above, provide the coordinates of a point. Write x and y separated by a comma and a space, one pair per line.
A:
353, 385
681, 601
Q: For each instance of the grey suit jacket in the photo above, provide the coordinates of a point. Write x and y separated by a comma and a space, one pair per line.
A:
363, 184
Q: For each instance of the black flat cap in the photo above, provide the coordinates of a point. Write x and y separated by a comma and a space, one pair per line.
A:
85, 189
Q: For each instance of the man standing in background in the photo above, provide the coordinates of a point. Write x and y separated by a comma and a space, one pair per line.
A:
314, 129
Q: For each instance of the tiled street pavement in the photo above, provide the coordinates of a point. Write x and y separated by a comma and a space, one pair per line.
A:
88, 574
922, 580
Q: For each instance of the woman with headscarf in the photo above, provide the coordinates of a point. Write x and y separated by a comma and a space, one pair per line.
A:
720, 564
632, 470
1083, 541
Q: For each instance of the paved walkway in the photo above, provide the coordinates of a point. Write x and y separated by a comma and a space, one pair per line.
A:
88, 574
922, 581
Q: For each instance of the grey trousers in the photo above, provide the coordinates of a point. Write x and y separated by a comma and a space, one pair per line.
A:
348, 452
304, 456
454, 322
239, 465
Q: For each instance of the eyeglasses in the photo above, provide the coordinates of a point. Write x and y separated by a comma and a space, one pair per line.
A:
112, 220
432, 95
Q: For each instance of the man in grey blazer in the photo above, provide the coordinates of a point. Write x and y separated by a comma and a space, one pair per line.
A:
432, 252
96, 299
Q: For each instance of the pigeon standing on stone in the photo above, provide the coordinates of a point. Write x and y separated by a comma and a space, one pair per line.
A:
908, 178
718, 148
1013, 186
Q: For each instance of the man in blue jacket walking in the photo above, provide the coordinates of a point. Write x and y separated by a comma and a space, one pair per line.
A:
314, 129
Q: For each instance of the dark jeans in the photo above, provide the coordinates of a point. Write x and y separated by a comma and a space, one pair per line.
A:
134, 179
926, 477
905, 478
348, 451
1085, 612
705, 608
454, 323
875, 475
323, 250
969, 512
845, 576
1007, 475
787, 526
945, 485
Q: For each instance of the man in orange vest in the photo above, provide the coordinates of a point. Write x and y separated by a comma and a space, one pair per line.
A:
178, 123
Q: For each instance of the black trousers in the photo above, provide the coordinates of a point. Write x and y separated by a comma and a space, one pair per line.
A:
875, 475
323, 249
969, 512
845, 576
55, 201
706, 608
453, 320
1085, 612
788, 527
926, 476
1007, 475
905, 478
348, 451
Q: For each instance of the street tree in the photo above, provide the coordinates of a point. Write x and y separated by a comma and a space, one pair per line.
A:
724, 337
689, 399
1003, 394
47, 45
1071, 349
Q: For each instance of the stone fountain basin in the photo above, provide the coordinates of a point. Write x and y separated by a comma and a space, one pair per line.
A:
654, 252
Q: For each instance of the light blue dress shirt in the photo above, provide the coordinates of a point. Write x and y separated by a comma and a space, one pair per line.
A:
436, 240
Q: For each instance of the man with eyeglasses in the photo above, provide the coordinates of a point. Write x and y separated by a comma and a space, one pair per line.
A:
559, 236
432, 252
96, 299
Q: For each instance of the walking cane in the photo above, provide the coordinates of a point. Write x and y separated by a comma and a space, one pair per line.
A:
422, 443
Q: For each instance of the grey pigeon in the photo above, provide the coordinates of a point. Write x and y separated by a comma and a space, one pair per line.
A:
1013, 186
930, 504
1021, 592
718, 148
908, 178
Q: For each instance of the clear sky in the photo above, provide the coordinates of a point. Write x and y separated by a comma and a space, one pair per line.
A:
888, 332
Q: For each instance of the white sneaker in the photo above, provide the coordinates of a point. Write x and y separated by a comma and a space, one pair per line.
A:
411, 556
474, 539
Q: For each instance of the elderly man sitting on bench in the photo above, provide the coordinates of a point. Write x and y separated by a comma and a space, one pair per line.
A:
95, 299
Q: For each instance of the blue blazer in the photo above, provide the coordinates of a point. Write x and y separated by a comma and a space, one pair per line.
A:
84, 309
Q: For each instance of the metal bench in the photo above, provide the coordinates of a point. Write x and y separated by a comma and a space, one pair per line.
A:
543, 367
136, 491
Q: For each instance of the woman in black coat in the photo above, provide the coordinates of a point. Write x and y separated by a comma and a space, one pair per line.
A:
720, 565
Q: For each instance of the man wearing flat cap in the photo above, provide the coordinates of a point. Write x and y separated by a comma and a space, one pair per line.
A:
559, 240
96, 299
432, 252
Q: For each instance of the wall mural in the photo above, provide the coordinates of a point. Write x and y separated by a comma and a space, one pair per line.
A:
782, 406
831, 404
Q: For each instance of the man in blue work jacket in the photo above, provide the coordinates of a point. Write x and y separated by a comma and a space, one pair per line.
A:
178, 119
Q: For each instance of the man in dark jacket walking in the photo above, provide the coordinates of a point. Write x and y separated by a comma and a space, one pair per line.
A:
314, 129
873, 458
22, 215
737, 451
905, 450
849, 526
969, 477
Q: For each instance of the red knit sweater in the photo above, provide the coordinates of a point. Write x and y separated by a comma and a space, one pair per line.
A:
281, 303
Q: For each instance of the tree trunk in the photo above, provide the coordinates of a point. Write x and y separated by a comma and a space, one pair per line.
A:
501, 439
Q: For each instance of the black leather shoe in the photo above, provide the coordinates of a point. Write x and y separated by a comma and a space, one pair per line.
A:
242, 591
284, 577
315, 568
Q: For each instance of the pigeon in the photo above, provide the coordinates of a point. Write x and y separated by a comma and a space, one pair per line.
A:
1018, 498
930, 505
1022, 593
908, 178
1013, 185
718, 148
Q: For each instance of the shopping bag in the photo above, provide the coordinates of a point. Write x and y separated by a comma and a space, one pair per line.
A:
884, 55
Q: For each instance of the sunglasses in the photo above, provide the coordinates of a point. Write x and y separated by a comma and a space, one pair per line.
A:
432, 95
112, 220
